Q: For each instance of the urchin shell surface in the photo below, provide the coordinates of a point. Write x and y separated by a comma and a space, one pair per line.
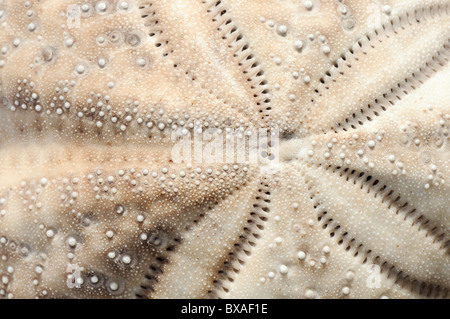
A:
355, 205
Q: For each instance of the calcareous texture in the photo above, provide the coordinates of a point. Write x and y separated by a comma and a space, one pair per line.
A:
354, 205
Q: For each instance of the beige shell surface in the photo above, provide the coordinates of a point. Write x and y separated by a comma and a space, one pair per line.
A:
355, 205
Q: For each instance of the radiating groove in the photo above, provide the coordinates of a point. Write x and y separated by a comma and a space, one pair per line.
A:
150, 16
400, 89
364, 253
161, 245
241, 48
397, 92
243, 247
393, 200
